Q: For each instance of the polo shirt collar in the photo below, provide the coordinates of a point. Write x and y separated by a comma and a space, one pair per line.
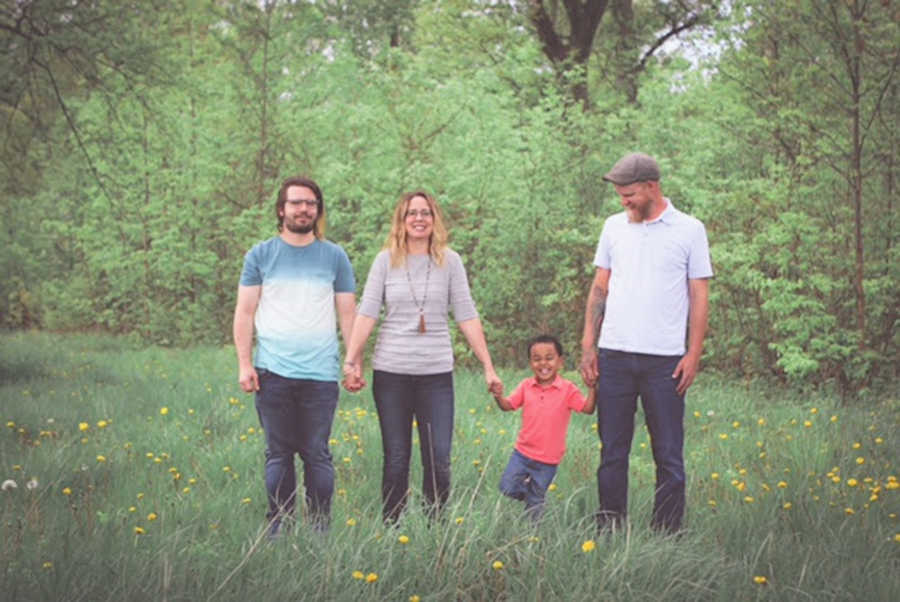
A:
557, 382
668, 216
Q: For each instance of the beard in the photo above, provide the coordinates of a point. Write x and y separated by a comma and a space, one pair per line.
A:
299, 228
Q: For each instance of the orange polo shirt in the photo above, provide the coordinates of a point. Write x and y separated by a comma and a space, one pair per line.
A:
545, 417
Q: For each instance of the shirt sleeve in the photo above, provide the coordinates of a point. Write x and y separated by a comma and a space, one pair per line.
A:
699, 263
461, 301
344, 281
601, 257
518, 396
373, 293
251, 274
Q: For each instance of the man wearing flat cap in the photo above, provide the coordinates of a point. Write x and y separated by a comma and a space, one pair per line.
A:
648, 303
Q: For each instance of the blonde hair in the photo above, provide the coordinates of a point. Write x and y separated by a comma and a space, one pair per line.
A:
396, 240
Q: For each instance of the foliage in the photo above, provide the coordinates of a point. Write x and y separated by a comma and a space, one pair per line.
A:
136, 185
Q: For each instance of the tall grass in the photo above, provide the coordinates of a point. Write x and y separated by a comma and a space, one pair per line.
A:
146, 484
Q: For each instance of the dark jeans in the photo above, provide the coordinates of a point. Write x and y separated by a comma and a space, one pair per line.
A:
296, 415
429, 399
527, 480
624, 377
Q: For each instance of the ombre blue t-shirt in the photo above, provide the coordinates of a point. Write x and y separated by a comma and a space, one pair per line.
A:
295, 320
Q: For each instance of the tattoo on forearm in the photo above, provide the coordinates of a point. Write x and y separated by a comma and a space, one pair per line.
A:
598, 309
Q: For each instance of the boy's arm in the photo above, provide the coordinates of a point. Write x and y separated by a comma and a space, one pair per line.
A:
502, 402
591, 401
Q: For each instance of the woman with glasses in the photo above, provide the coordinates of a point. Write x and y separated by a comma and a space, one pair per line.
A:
416, 279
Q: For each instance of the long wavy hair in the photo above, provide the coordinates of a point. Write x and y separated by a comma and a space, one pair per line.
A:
396, 241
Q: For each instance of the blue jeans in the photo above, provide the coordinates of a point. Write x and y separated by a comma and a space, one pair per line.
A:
296, 415
527, 480
429, 399
624, 377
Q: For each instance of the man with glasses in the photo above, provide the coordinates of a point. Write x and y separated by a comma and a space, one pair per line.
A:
291, 289
649, 294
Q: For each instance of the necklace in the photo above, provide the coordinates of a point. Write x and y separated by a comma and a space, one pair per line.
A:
424, 295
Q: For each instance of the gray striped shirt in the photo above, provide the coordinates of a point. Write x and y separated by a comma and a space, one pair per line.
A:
400, 347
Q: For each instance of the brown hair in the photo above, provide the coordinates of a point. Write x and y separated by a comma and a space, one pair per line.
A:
319, 225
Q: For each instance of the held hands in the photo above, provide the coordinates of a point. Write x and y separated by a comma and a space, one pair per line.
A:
588, 367
494, 384
353, 379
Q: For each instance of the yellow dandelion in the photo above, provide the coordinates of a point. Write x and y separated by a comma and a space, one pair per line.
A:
476, 462
186, 490
497, 565
12, 424
852, 482
856, 445
849, 511
552, 487
892, 485
226, 469
879, 440
807, 423
101, 459
760, 580
787, 506
782, 485
736, 424
459, 520
351, 522
132, 509
588, 546
358, 575
897, 537
67, 491
192, 481
48, 565
139, 531
860, 460
246, 500
83, 426
714, 476
414, 598
749, 499
834, 418
152, 517
814, 411
163, 410
403, 539
371, 577
761, 422
723, 436
102, 424
711, 503
696, 414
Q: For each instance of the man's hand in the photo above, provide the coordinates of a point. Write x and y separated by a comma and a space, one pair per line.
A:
353, 379
249, 379
588, 367
686, 372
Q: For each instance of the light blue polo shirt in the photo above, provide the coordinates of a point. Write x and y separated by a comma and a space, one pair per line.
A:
295, 320
650, 264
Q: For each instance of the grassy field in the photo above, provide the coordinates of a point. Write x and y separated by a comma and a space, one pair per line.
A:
138, 476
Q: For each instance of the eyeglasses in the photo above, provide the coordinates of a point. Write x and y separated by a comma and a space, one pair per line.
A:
414, 213
307, 202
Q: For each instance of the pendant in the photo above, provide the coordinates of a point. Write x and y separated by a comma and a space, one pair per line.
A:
421, 323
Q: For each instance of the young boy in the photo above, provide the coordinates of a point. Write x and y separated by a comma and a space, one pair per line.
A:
548, 401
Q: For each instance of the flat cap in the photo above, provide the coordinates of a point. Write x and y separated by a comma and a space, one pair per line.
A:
634, 167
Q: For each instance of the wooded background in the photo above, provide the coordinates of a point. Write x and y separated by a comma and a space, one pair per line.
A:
143, 143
